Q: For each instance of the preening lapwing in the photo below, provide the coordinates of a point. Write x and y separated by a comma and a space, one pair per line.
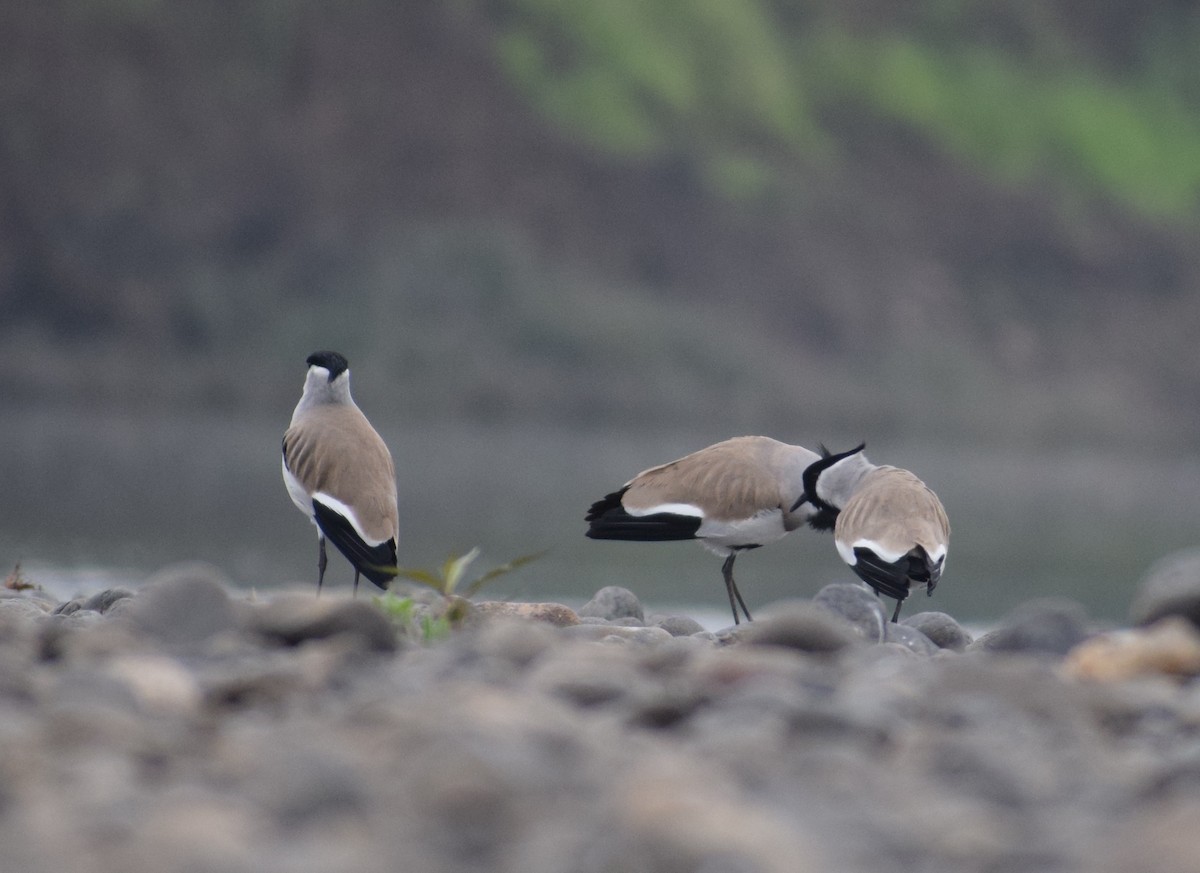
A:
340, 474
735, 495
890, 527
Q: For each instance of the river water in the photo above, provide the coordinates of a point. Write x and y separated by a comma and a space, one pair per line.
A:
92, 500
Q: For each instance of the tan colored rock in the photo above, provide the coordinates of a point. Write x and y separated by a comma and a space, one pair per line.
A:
1168, 647
552, 613
615, 632
161, 684
670, 817
291, 619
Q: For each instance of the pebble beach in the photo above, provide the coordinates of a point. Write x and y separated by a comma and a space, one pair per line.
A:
192, 726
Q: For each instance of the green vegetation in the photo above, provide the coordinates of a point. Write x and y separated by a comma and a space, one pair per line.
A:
636, 77
648, 214
415, 620
446, 579
739, 88
1135, 141
431, 622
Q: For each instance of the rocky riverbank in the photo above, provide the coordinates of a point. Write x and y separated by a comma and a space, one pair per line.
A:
192, 727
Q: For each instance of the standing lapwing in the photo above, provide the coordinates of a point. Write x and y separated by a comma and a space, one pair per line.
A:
890, 528
340, 474
738, 494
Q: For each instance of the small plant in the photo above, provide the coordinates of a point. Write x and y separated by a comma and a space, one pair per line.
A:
432, 622
447, 578
414, 618
15, 581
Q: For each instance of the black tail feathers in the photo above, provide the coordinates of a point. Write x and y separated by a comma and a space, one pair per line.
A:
608, 520
365, 559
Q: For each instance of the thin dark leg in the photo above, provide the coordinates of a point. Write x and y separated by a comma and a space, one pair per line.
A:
322, 561
356, 581
732, 590
727, 572
896, 614
741, 602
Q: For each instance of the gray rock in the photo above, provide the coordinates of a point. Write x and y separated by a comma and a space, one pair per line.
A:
858, 605
29, 595
667, 708
102, 601
68, 607
1170, 587
944, 631
801, 625
61, 635
628, 621
514, 641
268, 679
911, 638
673, 655
646, 635
614, 602
588, 678
86, 688
1040, 627
24, 608
296, 618
514, 745
727, 636
160, 684
550, 613
886, 651
183, 605
678, 625
302, 782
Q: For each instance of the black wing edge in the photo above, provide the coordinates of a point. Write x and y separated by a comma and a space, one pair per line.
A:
933, 570
366, 559
894, 580
888, 579
608, 520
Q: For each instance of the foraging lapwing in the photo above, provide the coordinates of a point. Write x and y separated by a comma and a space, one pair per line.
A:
735, 495
888, 525
340, 474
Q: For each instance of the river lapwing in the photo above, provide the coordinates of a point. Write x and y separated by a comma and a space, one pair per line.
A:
732, 496
890, 527
340, 474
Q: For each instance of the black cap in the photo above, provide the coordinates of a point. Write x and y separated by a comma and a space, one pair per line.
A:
334, 362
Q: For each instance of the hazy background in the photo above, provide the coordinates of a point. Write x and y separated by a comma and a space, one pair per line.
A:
564, 240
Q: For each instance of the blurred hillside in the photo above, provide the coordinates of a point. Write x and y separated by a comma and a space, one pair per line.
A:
966, 219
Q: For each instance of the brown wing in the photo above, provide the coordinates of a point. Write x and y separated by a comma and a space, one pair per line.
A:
335, 450
895, 509
733, 479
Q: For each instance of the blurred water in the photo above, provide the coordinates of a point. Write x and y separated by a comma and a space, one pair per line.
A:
93, 499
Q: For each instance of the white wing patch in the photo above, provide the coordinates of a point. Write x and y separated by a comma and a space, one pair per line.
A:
673, 508
296, 491
347, 512
891, 556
